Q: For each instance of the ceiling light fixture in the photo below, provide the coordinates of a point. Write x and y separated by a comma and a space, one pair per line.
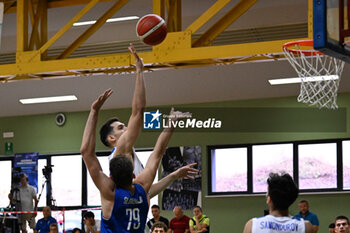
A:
48, 99
305, 79
119, 19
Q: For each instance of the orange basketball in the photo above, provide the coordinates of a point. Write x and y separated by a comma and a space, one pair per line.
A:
151, 29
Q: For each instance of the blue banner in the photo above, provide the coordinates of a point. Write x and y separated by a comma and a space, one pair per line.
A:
28, 162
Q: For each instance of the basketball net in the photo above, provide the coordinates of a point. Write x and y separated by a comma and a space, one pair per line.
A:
320, 74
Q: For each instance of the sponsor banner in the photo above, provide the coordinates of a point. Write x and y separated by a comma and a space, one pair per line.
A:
230, 119
28, 164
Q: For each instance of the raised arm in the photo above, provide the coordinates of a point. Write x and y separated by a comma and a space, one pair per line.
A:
88, 144
185, 171
147, 175
127, 140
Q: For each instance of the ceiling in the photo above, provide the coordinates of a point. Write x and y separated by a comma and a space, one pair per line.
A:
164, 87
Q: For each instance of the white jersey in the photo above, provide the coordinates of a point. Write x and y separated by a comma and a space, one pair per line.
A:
272, 224
138, 167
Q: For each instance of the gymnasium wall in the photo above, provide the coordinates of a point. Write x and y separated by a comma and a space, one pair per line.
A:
39, 133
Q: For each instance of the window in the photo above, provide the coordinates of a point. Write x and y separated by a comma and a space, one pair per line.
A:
229, 170
318, 166
72, 218
5, 174
93, 193
313, 164
41, 180
275, 158
66, 180
346, 164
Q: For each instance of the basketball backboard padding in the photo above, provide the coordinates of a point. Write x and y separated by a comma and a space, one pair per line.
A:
326, 29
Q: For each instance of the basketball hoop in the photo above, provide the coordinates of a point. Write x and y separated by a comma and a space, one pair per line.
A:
319, 73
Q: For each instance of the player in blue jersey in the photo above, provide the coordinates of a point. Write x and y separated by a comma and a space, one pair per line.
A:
124, 201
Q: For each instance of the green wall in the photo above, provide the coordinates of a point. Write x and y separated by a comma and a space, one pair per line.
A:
39, 133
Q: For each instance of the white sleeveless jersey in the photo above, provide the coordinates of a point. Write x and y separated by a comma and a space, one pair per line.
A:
272, 224
138, 167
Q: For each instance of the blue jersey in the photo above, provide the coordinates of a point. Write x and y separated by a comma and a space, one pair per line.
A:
43, 225
129, 212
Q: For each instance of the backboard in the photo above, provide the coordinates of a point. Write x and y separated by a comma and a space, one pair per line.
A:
331, 28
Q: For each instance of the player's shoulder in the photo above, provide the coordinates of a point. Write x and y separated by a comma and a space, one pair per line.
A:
248, 226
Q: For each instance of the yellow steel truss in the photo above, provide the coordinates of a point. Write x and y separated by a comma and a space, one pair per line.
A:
178, 50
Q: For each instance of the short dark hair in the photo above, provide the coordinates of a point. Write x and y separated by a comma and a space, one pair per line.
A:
106, 130
76, 230
89, 214
197, 206
54, 225
159, 225
341, 217
304, 201
282, 190
23, 175
332, 225
155, 207
121, 169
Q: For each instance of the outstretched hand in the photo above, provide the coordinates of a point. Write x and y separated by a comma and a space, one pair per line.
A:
177, 115
97, 104
187, 171
138, 60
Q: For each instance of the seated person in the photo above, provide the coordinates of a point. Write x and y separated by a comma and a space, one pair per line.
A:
159, 227
90, 224
200, 222
156, 217
43, 225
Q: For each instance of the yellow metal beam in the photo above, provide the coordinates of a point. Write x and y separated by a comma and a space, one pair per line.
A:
310, 18
43, 28
177, 51
162, 56
35, 17
93, 28
207, 15
159, 8
65, 28
10, 5
22, 25
178, 14
239, 9
174, 15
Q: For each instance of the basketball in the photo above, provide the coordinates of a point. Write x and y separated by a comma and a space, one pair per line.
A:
151, 29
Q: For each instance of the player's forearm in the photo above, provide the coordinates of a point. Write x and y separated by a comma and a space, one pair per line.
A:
139, 98
89, 136
162, 184
163, 141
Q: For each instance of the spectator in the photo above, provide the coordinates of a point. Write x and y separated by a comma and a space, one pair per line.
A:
200, 222
179, 224
90, 224
331, 228
341, 225
43, 225
307, 215
76, 230
281, 193
53, 228
156, 217
29, 202
159, 227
